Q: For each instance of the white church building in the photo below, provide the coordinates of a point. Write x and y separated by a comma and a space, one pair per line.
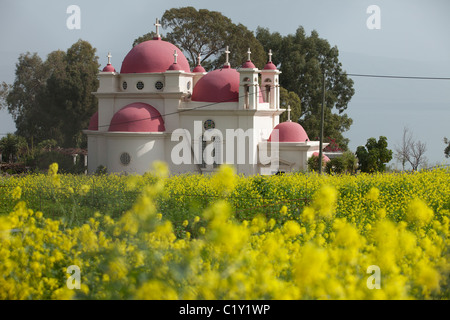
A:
157, 108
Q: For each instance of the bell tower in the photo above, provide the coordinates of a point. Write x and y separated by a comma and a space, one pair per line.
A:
248, 85
270, 83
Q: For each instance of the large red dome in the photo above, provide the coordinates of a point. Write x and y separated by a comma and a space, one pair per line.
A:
137, 117
153, 56
221, 85
289, 132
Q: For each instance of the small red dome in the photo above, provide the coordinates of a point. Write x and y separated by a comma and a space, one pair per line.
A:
174, 66
325, 158
137, 117
198, 69
289, 132
93, 123
221, 85
153, 56
109, 68
270, 66
248, 65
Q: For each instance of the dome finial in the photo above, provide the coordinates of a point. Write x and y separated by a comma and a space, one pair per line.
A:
227, 57
199, 58
289, 113
270, 55
175, 55
249, 53
109, 57
157, 25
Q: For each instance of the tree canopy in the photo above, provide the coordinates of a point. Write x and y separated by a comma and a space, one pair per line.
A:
53, 99
374, 155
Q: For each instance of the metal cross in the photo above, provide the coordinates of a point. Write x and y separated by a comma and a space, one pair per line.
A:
199, 58
289, 113
249, 53
109, 57
175, 55
157, 25
227, 52
270, 55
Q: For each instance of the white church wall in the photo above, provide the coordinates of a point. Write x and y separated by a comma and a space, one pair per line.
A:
143, 151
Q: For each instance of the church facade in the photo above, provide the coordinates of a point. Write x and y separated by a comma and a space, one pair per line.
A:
158, 109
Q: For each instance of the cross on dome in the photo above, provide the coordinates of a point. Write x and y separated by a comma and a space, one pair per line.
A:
175, 55
199, 58
270, 55
249, 53
109, 57
227, 53
289, 113
157, 25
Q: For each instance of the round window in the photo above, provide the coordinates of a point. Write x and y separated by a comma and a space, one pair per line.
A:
159, 85
140, 85
125, 158
209, 124
124, 85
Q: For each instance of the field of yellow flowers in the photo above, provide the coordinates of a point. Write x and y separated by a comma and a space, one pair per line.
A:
295, 236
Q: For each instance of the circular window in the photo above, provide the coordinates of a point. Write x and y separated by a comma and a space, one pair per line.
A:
159, 85
140, 85
209, 124
124, 85
125, 158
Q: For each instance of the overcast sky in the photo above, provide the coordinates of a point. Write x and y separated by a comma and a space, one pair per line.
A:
413, 40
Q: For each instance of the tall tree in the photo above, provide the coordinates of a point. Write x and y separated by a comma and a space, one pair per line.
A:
374, 155
303, 60
410, 151
52, 99
208, 33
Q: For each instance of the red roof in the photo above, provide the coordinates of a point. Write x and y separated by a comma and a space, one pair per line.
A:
270, 66
221, 85
109, 68
137, 117
153, 56
289, 132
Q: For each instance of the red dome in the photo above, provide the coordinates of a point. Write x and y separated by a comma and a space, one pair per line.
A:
270, 66
109, 68
153, 56
93, 123
325, 158
290, 132
137, 117
199, 69
174, 66
221, 85
248, 65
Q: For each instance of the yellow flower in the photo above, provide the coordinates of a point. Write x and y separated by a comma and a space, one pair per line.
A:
53, 169
84, 189
283, 210
185, 223
373, 194
418, 212
17, 193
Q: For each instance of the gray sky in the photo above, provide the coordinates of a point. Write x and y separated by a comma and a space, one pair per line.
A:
413, 41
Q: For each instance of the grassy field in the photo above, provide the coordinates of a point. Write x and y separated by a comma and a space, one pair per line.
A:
294, 236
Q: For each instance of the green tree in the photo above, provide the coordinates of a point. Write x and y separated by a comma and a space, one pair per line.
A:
52, 99
303, 60
12, 147
374, 155
291, 99
208, 33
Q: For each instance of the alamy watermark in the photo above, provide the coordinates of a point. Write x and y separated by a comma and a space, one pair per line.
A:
74, 20
74, 280
207, 147
374, 281
373, 22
